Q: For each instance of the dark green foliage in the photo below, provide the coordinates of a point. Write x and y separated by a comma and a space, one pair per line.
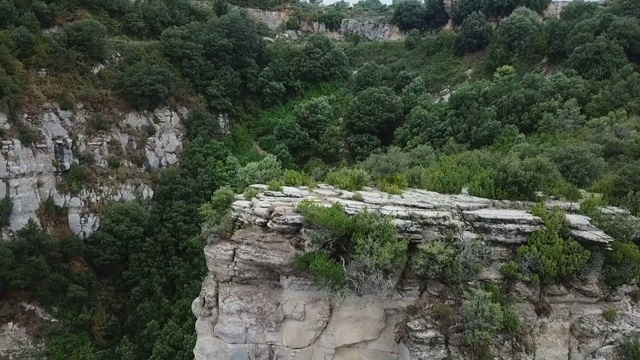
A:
475, 34
597, 60
332, 19
6, 207
409, 14
516, 33
624, 188
435, 15
369, 242
629, 350
321, 60
550, 255
622, 264
326, 272
147, 86
87, 37
375, 111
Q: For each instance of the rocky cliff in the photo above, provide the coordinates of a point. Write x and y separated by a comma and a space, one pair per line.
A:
254, 305
33, 173
370, 29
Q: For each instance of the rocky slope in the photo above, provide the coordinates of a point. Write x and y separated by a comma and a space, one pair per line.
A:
254, 305
370, 29
32, 173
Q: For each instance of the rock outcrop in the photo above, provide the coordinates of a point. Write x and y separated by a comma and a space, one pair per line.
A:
254, 305
32, 173
370, 29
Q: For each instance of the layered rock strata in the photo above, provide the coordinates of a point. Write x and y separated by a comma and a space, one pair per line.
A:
254, 305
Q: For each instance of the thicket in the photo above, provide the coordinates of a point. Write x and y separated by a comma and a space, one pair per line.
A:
362, 251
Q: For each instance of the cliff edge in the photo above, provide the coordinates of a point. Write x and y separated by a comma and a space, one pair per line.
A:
255, 305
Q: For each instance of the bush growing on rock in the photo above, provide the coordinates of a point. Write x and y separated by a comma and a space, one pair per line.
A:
216, 213
550, 255
366, 244
326, 273
450, 261
348, 179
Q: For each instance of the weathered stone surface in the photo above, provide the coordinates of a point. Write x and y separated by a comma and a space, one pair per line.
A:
253, 298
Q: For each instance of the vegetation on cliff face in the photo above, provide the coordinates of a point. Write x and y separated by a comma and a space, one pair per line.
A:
529, 110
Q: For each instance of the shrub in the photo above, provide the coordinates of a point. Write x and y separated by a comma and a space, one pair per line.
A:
114, 162
88, 37
66, 100
393, 184
275, 185
216, 212
76, 178
294, 178
348, 179
370, 243
475, 34
622, 264
258, 172
610, 314
250, 193
448, 262
330, 225
550, 254
629, 350
326, 273
100, 122
378, 254
27, 135
6, 208
483, 320
444, 317
147, 86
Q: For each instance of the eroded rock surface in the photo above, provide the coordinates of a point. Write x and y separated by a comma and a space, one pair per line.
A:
32, 173
254, 305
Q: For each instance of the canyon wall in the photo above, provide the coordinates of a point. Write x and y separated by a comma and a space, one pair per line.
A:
255, 305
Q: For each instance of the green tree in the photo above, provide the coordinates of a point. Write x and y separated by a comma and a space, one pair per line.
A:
435, 14
409, 14
147, 86
7, 12
321, 60
597, 60
88, 37
369, 75
626, 32
375, 111
475, 34
483, 320
578, 164
516, 32
122, 233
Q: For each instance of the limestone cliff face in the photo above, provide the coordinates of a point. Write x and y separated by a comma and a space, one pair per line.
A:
370, 29
31, 173
254, 305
